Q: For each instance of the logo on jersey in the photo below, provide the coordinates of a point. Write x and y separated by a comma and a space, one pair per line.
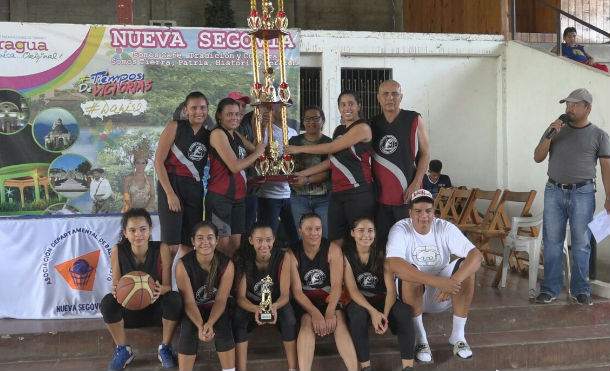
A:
388, 144
315, 277
258, 287
197, 151
242, 152
367, 280
426, 256
202, 297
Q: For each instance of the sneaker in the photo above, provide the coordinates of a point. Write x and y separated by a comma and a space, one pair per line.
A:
121, 357
544, 298
366, 368
167, 355
423, 354
462, 350
583, 299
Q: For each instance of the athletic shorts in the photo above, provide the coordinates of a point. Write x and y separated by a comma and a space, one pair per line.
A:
227, 215
347, 206
429, 304
176, 227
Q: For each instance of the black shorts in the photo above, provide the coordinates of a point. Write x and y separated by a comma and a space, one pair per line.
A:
347, 206
188, 340
176, 227
227, 215
385, 217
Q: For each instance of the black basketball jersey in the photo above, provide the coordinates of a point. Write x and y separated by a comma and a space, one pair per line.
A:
351, 167
188, 154
152, 263
370, 284
314, 273
394, 162
199, 277
222, 180
254, 286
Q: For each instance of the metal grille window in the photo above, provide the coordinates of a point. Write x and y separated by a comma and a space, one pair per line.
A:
311, 88
366, 82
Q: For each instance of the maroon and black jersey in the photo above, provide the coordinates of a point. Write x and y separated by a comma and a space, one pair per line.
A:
351, 167
370, 284
314, 273
222, 180
394, 162
199, 278
254, 285
189, 153
151, 265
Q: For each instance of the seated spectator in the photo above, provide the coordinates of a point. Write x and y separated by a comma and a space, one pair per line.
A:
310, 194
419, 253
434, 180
575, 51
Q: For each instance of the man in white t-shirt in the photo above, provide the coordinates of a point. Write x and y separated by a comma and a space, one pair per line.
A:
419, 253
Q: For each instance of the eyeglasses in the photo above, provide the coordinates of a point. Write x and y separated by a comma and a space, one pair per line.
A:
311, 118
394, 94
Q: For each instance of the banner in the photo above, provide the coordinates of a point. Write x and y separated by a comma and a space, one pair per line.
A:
82, 107
57, 267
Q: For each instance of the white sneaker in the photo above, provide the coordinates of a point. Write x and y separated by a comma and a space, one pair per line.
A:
462, 350
423, 354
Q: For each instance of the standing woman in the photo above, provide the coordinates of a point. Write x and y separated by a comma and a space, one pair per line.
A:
371, 287
316, 283
181, 156
139, 188
310, 194
350, 153
224, 204
205, 277
256, 259
135, 252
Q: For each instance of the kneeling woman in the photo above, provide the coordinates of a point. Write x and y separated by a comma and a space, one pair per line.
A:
371, 287
204, 278
135, 252
317, 279
256, 259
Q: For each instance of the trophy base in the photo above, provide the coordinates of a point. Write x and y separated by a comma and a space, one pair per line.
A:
266, 317
271, 178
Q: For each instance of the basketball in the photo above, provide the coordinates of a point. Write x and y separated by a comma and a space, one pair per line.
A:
135, 290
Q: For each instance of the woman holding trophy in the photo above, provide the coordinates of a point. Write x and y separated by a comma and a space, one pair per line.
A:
350, 152
224, 202
263, 293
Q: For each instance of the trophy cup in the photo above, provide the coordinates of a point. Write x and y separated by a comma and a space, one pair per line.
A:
265, 304
273, 166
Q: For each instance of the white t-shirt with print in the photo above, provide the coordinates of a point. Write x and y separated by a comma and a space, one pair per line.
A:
431, 252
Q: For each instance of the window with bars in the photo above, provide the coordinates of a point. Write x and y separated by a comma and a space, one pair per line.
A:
366, 82
311, 88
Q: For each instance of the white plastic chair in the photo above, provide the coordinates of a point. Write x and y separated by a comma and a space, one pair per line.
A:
532, 245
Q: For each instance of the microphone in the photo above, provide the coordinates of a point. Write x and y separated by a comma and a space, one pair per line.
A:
565, 118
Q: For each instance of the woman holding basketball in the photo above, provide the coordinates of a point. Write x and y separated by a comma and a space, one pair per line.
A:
256, 259
371, 287
204, 278
135, 252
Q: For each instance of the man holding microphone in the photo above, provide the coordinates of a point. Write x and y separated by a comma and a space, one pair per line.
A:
573, 144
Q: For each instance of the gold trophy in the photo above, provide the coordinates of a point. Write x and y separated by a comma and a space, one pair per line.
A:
273, 166
265, 304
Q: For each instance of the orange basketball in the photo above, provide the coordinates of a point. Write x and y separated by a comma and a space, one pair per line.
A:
135, 290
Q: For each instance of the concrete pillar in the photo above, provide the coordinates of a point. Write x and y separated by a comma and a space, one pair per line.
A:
331, 75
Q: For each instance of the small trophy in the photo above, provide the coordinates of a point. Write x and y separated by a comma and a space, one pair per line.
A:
265, 304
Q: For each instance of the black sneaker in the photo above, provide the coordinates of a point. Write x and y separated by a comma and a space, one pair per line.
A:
583, 299
544, 298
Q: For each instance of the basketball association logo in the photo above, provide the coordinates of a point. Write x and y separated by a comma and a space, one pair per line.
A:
388, 144
367, 280
315, 277
260, 285
197, 151
242, 152
202, 297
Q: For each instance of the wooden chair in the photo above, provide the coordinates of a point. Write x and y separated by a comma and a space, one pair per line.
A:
440, 202
456, 205
473, 220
